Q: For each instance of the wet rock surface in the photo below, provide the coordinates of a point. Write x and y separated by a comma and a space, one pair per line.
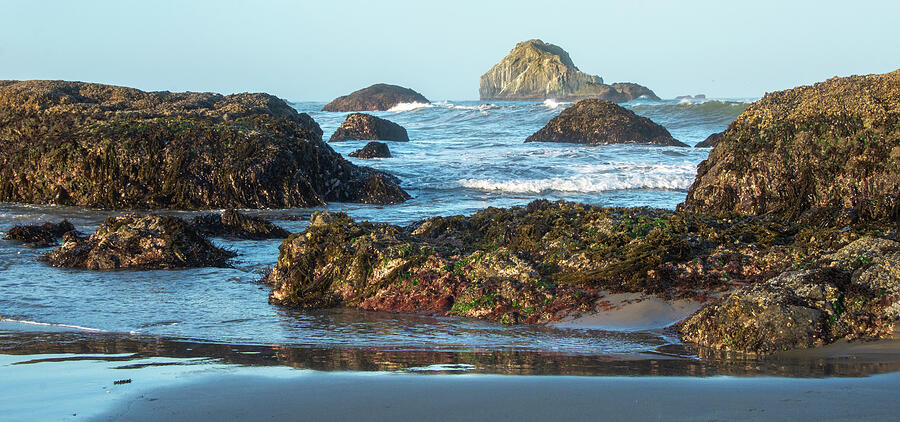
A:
234, 224
39, 235
96, 145
710, 141
378, 97
533, 264
535, 70
360, 126
135, 242
372, 150
851, 294
828, 153
600, 122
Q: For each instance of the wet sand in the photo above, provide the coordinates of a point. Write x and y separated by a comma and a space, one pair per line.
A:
388, 397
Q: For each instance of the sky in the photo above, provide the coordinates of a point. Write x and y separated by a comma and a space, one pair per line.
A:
318, 50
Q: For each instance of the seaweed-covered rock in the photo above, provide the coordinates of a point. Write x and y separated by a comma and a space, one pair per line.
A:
132, 241
535, 70
815, 153
851, 294
39, 235
234, 224
106, 146
601, 122
372, 150
710, 141
359, 126
378, 97
532, 264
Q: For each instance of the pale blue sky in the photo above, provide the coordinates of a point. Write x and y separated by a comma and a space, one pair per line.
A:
320, 50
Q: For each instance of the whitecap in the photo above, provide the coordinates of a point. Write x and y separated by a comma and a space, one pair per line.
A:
47, 324
409, 106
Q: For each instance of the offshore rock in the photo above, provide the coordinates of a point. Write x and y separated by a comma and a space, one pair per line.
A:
234, 224
39, 235
601, 122
360, 126
378, 97
827, 153
105, 146
372, 150
535, 70
131, 241
532, 264
710, 141
851, 294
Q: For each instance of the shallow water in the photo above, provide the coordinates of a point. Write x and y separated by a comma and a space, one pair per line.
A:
463, 156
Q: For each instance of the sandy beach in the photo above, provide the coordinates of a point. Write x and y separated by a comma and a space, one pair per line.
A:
386, 397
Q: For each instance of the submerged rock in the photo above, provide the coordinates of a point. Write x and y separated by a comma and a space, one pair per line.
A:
131, 241
601, 122
39, 235
851, 294
827, 153
535, 70
378, 97
106, 146
372, 150
530, 264
360, 126
710, 141
234, 224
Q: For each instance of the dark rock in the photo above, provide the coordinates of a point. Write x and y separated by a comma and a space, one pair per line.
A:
530, 264
851, 294
378, 97
39, 235
359, 126
809, 154
382, 189
234, 224
113, 147
372, 150
535, 70
149, 242
600, 122
710, 141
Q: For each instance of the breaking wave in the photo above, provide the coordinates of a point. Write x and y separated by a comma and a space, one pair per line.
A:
409, 106
590, 183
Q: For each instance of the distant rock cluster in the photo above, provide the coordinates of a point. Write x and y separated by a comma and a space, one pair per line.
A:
535, 70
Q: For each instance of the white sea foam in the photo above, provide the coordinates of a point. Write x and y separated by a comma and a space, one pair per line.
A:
595, 179
409, 106
552, 104
47, 324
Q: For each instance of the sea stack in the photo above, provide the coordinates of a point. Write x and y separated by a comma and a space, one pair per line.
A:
94, 145
372, 150
360, 126
378, 97
536, 71
601, 122
825, 152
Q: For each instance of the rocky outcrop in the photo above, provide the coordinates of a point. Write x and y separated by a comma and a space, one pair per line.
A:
372, 150
360, 126
601, 122
535, 70
851, 294
131, 241
378, 97
106, 146
236, 225
710, 141
827, 153
531, 264
39, 235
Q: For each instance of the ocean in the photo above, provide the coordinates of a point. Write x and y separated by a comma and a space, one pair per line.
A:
462, 156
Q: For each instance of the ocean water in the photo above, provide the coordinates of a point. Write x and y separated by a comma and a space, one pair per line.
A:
463, 156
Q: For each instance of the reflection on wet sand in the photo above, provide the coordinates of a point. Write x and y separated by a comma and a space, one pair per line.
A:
671, 360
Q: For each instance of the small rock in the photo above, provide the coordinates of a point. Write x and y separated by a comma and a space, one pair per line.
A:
372, 150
